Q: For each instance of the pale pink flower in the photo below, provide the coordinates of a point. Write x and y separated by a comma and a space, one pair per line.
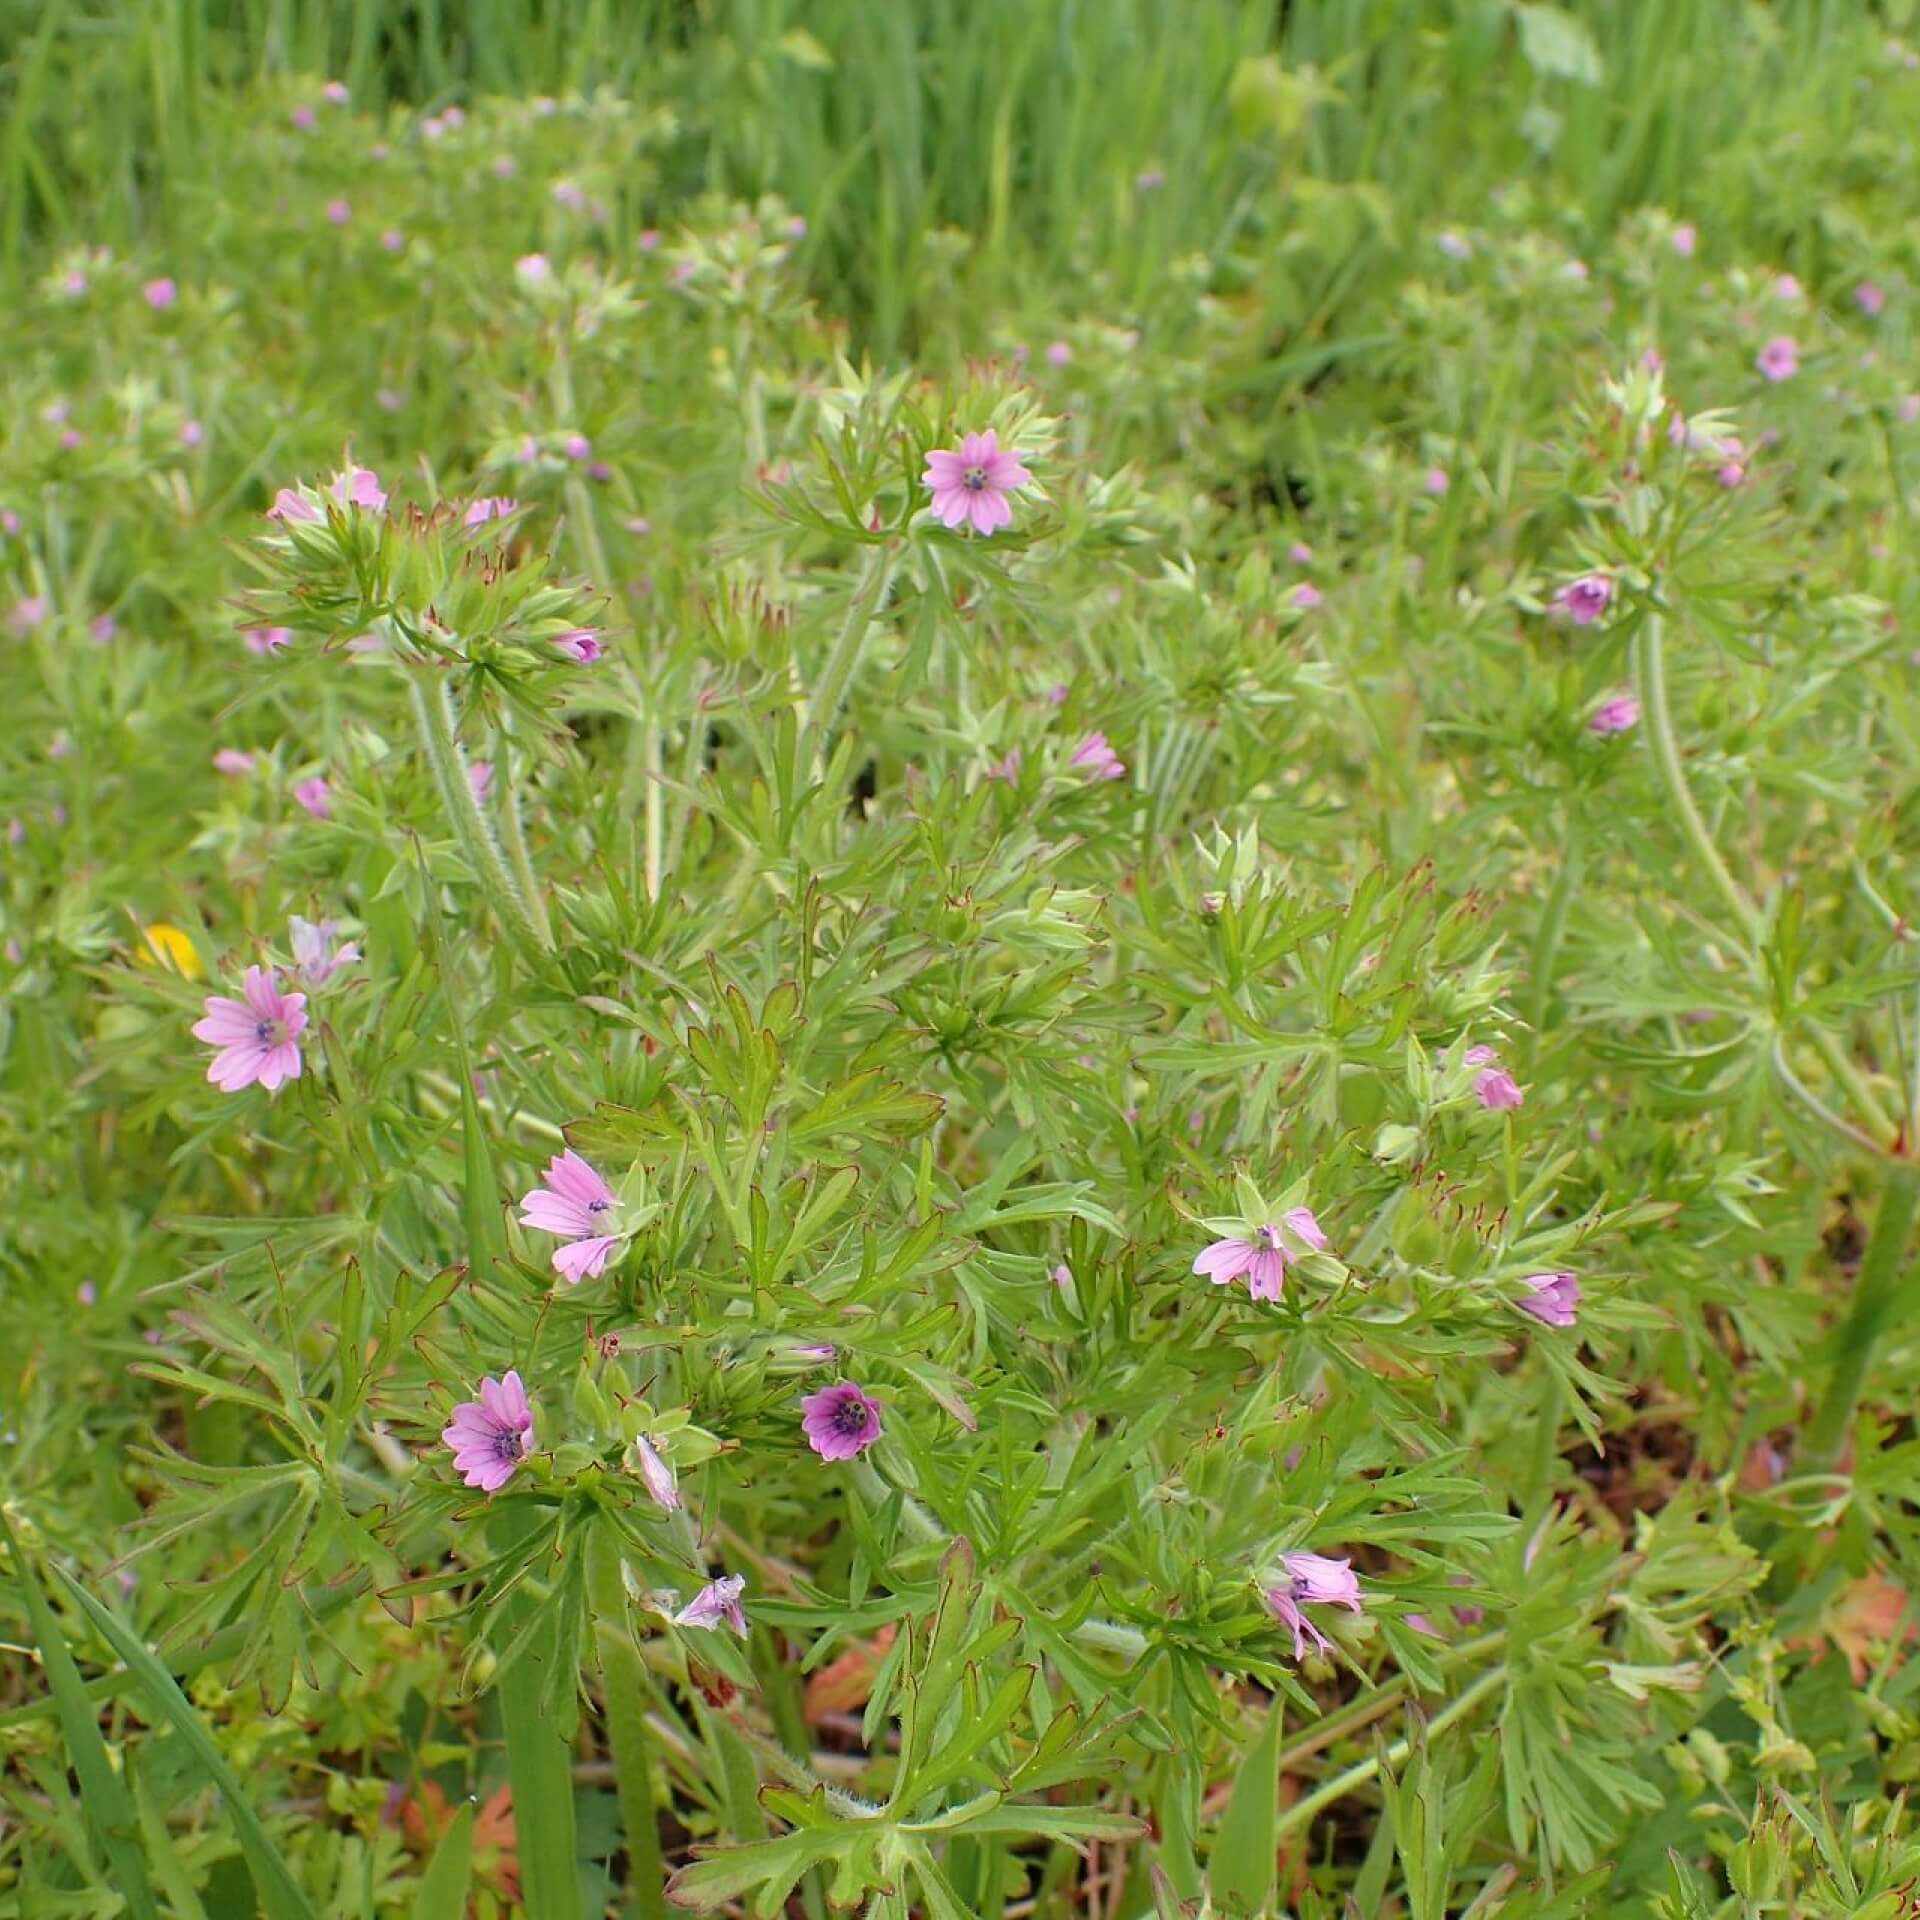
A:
72, 439
1098, 759
575, 1204
840, 1421
569, 194
576, 446
1684, 238
315, 957
1731, 474
74, 285
160, 294
290, 505
303, 117
501, 166
191, 433
1306, 596
973, 484
101, 628
1870, 298
1436, 481
335, 93
489, 1437
1497, 1090
268, 639
1909, 408
1553, 1298
338, 213
1312, 1580
1619, 714
1586, 599
1061, 1276
255, 1038
1779, 359
1786, 287
232, 761
649, 240
581, 644
658, 1476
28, 612
1479, 1057
358, 487
316, 796
532, 270
480, 778
1261, 1255
454, 116
493, 506
1006, 768
393, 241
87, 1293
1300, 554
1059, 354
717, 1603
1453, 245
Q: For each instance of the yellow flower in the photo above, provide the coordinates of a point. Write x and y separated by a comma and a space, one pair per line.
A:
170, 948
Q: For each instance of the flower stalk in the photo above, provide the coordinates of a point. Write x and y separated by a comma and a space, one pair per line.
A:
830, 690
624, 1681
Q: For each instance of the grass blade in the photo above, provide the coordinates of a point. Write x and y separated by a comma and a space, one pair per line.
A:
279, 1894
109, 1808
443, 1887
1240, 1874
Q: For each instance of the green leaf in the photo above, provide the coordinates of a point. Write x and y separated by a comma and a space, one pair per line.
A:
103, 1794
1241, 1872
279, 1894
443, 1887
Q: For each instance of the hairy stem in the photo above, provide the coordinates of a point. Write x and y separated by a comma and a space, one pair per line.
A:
624, 1679
513, 831
830, 690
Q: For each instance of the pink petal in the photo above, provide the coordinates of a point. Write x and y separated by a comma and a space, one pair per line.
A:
950, 508
1267, 1274
976, 449
943, 469
1005, 471
583, 1259
236, 1067
547, 1213
280, 1064
1225, 1261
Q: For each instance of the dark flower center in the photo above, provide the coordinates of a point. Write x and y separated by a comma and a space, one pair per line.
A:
850, 1417
1268, 1237
974, 479
270, 1033
506, 1443
598, 1206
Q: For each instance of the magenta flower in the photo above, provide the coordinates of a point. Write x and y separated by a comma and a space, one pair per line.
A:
1436, 482
658, 1476
1006, 768
393, 241
160, 294
492, 1435
1059, 354
268, 639
1099, 759
1731, 474
840, 1421
303, 118
717, 1601
338, 213
1306, 596
576, 446
358, 487
1786, 287
28, 613
1300, 554
532, 270
316, 796
232, 760
973, 484
335, 93
480, 777
1779, 359
191, 433
581, 644
1586, 599
1869, 298
1497, 1090
1262, 1254
574, 1204
1683, 240
493, 506
315, 957
290, 505
1620, 714
255, 1037
1553, 1298
1312, 1580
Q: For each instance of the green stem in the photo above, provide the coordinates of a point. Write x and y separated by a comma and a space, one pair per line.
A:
830, 690
1343, 1784
433, 710
1546, 946
1866, 1102
1876, 1292
1651, 675
513, 831
624, 1680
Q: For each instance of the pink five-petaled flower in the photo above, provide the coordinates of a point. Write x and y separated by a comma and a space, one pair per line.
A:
658, 1476
1497, 1090
1306, 596
1869, 298
255, 1037
1684, 237
1620, 714
160, 294
316, 796
290, 505
358, 487
315, 957
1553, 1298
1779, 359
268, 639
574, 1204
717, 1601
840, 1421
232, 760
1099, 759
492, 1435
1262, 1254
973, 484
1585, 599
493, 506
581, 644
1312, 1579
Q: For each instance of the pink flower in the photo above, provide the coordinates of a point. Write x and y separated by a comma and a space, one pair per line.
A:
569, 194
1683, 241
1262, 1254
1059, 354
72, 439
1453, 245
74, 285
1479, 1057
1300, 554
480, 778
160, 294
315, 957
581, 644
1099, 759
1731, 474
290, 505
28, 613
1869, 298
1786, 287
338, 213
316, 796
576, 446
490, 1436
973, 484
494, 506
1620, 714
1007, 768
358, 487
1586, 599
574, 1204
840, 1421
254, 1038
335, 93
102, 627
303, 118
1312, 1580
532, 270
268, 639
393, 241
1909, 408
717, 1601
1779, 359
658, 1476
1497, 1090
1553, 1298
1306, 596
649, 240
501, 166
1436, 481
191, 433
232, 760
